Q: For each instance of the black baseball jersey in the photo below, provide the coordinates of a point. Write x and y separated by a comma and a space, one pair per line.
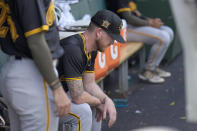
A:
20, 19
75, 60
119, 6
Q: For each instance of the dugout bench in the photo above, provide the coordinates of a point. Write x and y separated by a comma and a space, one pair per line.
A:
118, 76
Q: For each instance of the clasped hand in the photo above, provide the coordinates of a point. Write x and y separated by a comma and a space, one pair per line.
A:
107, 108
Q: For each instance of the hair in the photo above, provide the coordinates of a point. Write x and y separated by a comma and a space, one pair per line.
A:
92, 27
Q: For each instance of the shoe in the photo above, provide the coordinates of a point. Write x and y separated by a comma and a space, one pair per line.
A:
151, 77
162, 73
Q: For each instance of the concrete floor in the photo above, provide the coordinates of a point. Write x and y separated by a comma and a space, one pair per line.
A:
155, 104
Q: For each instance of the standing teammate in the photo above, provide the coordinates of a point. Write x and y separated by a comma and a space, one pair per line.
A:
149, 31
76, 69
31, 88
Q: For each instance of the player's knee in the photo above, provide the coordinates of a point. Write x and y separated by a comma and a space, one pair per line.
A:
85, 117
171, 33
86, 112
165, 38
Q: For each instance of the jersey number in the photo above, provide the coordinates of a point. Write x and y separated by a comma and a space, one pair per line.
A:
4, 11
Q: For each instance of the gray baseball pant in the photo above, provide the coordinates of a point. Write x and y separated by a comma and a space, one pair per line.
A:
28, 97
160, 40
81, 118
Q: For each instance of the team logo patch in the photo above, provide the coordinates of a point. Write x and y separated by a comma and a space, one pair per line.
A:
50, 16
106, 24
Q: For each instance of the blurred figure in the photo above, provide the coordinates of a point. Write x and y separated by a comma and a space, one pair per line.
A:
151, 31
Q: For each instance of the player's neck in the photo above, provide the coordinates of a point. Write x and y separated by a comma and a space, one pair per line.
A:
89, 40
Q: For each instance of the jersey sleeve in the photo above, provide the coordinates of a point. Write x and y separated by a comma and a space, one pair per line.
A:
90, 67
35, 15
72, 64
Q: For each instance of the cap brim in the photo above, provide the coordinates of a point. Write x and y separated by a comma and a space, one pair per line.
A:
117, 37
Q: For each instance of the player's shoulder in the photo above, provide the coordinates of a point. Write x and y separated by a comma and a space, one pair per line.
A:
72, 40
72, 44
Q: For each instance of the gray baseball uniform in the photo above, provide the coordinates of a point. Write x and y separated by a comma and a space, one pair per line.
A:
138, 31
81, 118
160, 40
28, 96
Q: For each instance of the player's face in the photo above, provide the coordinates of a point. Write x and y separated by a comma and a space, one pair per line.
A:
104, 41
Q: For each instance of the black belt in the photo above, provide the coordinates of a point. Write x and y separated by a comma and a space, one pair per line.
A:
18, 57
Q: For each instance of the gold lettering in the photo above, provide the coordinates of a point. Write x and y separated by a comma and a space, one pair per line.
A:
4, 11
3, 29
50, 16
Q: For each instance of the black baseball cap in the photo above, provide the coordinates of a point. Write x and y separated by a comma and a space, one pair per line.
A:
110, 22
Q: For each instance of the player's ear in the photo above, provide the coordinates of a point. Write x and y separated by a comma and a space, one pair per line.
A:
98, 32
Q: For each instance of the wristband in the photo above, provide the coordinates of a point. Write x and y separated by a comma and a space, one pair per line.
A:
56, 85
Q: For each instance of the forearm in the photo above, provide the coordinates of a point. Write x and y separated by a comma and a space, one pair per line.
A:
133, 20
79, 95
85, 97
42, 58
92, 87
96, 91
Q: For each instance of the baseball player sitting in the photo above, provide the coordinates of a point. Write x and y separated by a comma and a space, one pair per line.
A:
89, 104
149, 31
